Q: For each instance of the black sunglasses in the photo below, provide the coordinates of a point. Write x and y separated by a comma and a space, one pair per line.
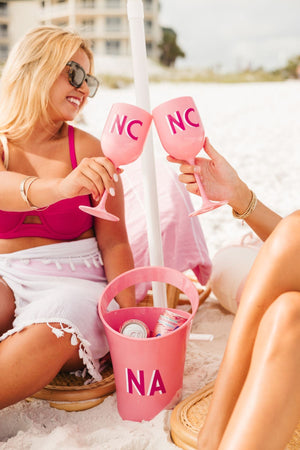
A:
77, 76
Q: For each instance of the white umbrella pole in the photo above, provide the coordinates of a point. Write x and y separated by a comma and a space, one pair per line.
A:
135, 13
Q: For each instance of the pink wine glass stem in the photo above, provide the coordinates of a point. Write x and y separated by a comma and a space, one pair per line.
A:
103, 199
200, 185
207, 205
201, 189
99, 210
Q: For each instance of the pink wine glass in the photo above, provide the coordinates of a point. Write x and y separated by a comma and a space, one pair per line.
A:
122, 141
182, 135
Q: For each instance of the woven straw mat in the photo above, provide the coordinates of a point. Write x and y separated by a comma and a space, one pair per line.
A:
72, 393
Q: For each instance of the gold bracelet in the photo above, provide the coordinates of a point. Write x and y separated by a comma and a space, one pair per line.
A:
24, 186
249, 210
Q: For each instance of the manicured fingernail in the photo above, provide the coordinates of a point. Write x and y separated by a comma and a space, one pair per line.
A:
112, 191
115, 177
197, 169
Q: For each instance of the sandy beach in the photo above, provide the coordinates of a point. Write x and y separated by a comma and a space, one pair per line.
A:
255, 126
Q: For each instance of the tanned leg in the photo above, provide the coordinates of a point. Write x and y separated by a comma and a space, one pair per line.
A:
7, 307
275, 272
268, 408
30, 359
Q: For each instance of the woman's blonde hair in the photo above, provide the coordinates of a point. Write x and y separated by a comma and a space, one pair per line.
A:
32, 67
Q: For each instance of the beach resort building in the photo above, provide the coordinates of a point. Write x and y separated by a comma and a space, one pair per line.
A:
103, 22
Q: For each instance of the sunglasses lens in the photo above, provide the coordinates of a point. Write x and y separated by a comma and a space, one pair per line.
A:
76, 76
93, 84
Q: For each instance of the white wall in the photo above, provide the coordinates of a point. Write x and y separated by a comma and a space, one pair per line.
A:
23, 15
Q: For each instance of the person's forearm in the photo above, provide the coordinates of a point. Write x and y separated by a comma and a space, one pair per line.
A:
119, 259
262, 220
41, 193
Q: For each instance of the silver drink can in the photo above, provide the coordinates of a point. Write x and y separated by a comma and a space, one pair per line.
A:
135, 328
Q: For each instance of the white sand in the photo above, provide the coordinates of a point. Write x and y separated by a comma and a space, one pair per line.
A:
256, 126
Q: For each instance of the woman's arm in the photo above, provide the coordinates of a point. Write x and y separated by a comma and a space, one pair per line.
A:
221, 182
111, 236
114, 246
93, 174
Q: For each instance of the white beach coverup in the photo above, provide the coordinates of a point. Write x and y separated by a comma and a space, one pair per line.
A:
60, 283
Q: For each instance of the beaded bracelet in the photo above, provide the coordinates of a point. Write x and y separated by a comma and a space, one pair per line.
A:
250, 208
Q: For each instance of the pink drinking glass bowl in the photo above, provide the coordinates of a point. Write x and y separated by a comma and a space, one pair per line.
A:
179, 127
125, 132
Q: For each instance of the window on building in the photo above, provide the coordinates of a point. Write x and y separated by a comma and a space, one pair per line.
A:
148, 4
3, 8
87, 3
62, 23
113, 3
93, 46
3, 52
112, 47
3, 30
149, 48
148, 26
87, 25
113, 23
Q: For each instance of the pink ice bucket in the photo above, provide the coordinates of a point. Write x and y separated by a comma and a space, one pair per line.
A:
148, 372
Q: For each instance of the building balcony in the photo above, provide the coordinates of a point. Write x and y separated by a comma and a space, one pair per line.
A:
103, 34
94, 8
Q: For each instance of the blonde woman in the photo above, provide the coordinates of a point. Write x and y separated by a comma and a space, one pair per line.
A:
54, 259
256, 400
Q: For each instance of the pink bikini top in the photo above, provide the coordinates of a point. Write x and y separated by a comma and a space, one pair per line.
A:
62, 220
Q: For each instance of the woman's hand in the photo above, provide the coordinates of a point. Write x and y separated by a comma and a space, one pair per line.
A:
91, 176
219, 179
